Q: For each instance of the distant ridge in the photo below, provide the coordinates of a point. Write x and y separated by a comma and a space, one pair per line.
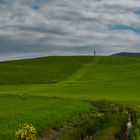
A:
126, 54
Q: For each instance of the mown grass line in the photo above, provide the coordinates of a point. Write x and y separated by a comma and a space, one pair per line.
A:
40, 70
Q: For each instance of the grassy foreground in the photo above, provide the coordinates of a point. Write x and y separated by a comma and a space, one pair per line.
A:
44, 113
48, 91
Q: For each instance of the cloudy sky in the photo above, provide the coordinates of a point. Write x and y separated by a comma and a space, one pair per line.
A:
33, 28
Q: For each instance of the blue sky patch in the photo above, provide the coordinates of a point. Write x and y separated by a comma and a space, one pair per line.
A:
137, 11
35, 7
125, 27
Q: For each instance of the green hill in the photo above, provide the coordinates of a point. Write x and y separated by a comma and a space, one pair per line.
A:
74, 76
48, 91
54, 69
40, 70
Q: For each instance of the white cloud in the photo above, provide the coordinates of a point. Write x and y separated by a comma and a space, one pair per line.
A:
68, 27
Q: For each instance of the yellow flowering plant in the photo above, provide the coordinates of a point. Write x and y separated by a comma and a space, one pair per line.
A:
97, 115
26, 132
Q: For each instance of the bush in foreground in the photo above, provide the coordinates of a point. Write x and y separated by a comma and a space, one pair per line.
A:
26, 132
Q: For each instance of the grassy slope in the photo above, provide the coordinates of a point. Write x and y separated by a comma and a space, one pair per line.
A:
115, 78
42, 112
39, 71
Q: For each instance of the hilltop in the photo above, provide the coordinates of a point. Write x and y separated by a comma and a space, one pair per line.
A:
126, 54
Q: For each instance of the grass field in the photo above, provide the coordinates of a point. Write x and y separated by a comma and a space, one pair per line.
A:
48, 91
43, 112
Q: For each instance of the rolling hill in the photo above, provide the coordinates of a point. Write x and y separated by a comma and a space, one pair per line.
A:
50, 90
126, 54
48, 70
40, 70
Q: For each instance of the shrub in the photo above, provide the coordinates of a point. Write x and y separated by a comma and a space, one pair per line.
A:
26, 132
97, 115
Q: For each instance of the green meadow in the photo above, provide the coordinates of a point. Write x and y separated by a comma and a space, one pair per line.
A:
51, 90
